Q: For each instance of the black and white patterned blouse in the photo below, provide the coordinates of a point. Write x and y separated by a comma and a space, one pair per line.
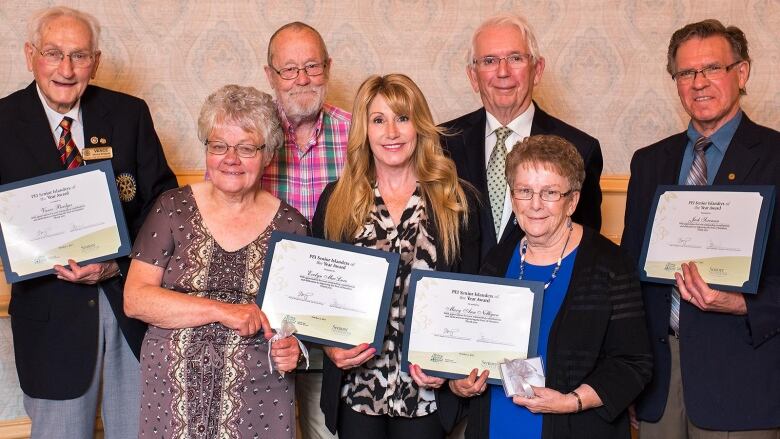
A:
378, 387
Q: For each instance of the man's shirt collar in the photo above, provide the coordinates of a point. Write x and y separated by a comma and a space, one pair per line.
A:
518, 125
721, 138
56, 118
289, 130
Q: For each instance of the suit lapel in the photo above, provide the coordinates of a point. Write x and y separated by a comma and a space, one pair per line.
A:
474, 146
674, 150
96, 123
541, 121
33, 127
741, 155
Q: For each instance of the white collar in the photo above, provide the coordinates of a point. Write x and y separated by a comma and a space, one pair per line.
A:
520, 125
54, 117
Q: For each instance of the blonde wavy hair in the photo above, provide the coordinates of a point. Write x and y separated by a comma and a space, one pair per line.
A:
353, 196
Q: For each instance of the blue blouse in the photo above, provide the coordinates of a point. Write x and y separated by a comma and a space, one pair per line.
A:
508, 420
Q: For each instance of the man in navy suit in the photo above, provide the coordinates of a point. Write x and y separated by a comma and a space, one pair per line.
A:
504, 66
717, 353
71, 336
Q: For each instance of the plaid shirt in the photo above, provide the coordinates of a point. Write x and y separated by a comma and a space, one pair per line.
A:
299, 176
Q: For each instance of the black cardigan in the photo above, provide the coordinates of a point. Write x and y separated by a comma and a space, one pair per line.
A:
468, 262
599, 338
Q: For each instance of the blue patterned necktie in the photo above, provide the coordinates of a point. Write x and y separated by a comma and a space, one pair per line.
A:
496, 177
697, 176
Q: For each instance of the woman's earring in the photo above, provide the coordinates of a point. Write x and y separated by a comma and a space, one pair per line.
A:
568, 223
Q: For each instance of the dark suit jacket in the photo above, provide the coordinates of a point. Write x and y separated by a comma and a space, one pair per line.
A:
730, 364
466, 146
469, 240
55, 323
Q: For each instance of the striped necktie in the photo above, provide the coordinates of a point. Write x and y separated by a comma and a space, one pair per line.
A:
69, 153
697, 176
496, 177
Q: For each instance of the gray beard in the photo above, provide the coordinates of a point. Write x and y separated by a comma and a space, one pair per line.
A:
297, 113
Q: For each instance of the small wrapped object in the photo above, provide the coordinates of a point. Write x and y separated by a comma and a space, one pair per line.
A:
287, 329
519, 375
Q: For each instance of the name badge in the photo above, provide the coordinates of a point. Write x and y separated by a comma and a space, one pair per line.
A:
97, 153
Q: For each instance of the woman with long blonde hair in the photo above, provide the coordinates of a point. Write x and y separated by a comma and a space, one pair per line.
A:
398, 193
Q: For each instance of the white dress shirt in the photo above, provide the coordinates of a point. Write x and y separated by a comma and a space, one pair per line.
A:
521, 128
76, 127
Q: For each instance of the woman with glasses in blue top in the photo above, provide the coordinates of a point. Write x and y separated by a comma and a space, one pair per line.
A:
592, 338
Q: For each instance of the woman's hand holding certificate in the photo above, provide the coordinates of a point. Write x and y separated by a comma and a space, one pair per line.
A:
335, 294
457, 323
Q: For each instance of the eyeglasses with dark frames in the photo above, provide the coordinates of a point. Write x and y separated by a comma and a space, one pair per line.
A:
311, 69
710, 72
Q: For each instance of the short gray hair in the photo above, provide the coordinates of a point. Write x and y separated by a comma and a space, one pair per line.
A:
550, 152
506, 19
246, 107
44, 16
705, 29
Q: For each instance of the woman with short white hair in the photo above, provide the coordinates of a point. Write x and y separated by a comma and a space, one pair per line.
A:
197, 265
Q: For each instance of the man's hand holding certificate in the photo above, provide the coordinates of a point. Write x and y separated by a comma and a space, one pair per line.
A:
53, 219
722, 230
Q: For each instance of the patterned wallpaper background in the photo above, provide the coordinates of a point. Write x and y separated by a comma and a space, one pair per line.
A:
605, 64
605, 59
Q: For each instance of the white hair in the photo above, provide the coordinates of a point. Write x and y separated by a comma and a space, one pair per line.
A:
506, 19
44, 16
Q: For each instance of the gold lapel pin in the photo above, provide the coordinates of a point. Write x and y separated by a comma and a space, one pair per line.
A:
102, 140
732, 176
93, 140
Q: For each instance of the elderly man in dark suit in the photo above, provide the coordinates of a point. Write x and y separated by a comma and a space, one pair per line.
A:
71, 336
717, 353
504, 65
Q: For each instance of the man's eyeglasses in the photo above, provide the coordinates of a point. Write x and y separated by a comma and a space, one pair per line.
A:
710, 72
513, 61
54, 57
311, 69
244, 150
545, 194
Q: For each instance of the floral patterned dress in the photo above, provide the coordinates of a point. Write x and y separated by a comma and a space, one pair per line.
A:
207, 381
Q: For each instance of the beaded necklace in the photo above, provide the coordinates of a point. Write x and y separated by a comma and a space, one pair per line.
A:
524, 249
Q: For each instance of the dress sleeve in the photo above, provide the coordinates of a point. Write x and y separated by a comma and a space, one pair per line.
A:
154, 243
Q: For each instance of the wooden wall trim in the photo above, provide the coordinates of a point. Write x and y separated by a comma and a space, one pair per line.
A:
613, 188
19, 428
15, 428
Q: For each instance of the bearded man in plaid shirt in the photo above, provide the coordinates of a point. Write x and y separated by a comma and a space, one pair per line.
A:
313, 155
315, 132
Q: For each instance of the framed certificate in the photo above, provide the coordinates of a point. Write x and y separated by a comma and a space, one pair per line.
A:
723, 229
73, 214
458, 322
335, 294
